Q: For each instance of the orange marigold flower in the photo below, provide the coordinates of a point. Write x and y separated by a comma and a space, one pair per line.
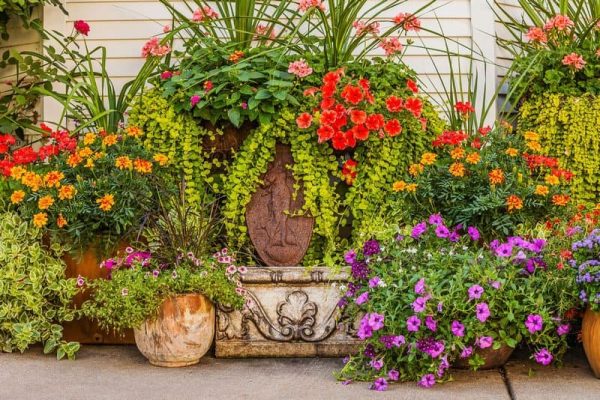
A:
142, 166
74, 160
514, 202
106, 202
67, 192
552, 180
161, 159
236, 56
17, 196
457, 153
32, 181
89, 138
560, 200
40, 219
411, 187
457, 169
534, 146
53, 178
85, 152
531, 136
134, 131
123, 162
428, 158
45, 202
415, 169
473, 158
511, 151
496, 176
61, 221
17, 172
110, 140
399, 186
542, 190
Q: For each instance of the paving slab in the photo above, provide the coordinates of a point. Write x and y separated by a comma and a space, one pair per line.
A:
573, 381
122, 373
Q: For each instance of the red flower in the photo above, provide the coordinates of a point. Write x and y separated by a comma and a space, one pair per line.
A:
360, 132
375, 122
412, 86
5, 166
364, 84
332, 77
341, 121
349, 171
325, 133
45, 127
423, 123
5, 142
328, 117
208, 85
81, 27
48, 150
339, 141
352, 94
450, 138
24, 155
485, 130
350, 140
304, 120
464, 107
393, 127
414, 105
311, 91
394, 104
328, 90
476, 143
327, 103
358, 117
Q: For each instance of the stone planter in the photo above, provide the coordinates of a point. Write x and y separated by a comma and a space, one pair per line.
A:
181, 333
493, 358
292, 313
590, 334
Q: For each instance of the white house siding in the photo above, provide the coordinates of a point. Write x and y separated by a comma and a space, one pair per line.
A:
124, 26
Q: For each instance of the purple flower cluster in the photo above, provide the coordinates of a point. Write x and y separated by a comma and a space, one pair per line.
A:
430, 346
370, 323
390, 341
371, 247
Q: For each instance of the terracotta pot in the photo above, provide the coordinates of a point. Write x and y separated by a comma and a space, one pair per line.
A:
590, 334
181, 333
493, 358
223, 146
85, 330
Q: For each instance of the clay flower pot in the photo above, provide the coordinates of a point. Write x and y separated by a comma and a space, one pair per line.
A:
181, 333
493, 358
590, 334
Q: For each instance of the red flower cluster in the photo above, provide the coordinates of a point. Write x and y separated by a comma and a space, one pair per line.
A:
348, 112
464, 108
450, 138
5, 142
349, 171
535, 161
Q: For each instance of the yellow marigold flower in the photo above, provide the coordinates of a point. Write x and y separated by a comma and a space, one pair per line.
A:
40, 219
17, 196
457, 153
542, 190
99, 155
110, 140
142, 166
534, 146
560, 200
89, 138
161, 159
532, 136
45, 202
134, 131
496, 176
74, 160
106, 202
415, 169
552, 180
17, 172
85, 152
457, 169
61, 221
89, 163
514, 202
411, 187
511, 151
53, 178
399, 186
428, 158
473, 158
32, 181
123, 162
67, 192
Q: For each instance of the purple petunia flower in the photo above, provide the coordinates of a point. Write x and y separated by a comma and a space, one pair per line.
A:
360, 270
362, 299
466, 352
457, 329
418, 230
444, 365
482, 311
371, 247
495, 284
376, 321
379, 385
413, 323
454, 236
475, 292
377, 364
420, 286
563, 329
442, 231
430, 346
543, 357
419, 304
393, 375
494, 244
534, 323
369, 351
473, 233
435, 219
427, 381
350, 257
431, 323
504, 250
375, 282
484, 342
390, 341
342, 303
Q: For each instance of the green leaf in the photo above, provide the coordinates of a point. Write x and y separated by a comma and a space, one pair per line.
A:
234, 116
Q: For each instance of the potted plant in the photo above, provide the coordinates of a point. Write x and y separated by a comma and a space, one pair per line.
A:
166, 291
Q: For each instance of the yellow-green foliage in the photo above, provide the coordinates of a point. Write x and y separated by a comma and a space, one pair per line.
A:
569, 128
180, 137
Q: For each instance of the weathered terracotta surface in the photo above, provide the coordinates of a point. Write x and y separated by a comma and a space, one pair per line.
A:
280, 237
84, 330
293, 313
181, 333
231, 140
493, 358
590, 334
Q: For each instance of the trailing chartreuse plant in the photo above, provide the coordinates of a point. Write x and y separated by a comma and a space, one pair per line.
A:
569, 129
35, 295
313, 167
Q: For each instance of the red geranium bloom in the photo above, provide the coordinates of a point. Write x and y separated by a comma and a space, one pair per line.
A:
47, 151
393, 127
375, 122
338, 141
365, 84
325, 133
352, 94
5, 166
414, 105
304, 120
45, 127
394, 104
464, 107
358, 117
360, 132
328, 117
81, 27
476, 143
412, 86
450, 138
24, 155
485, 130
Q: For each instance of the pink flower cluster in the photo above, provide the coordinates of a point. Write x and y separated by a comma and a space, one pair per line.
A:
391, 46
154, 48
365, 28
574, 61
204, 13
408, 21
561, 23
300, 68
305, 5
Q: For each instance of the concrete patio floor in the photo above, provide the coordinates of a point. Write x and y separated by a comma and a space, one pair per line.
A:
121, 373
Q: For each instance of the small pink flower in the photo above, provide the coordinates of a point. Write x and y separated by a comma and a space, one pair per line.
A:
153, 48
80, 281
166, 29
408, 21
240, 290
231, 269
305, 5
365, 28
300, 68
195, 99
574, 61
391, 46
242, 270
203, 14
166, 75
537, 35
262, 31
560, 23
244, 105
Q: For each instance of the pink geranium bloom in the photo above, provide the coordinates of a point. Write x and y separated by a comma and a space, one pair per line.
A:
537, 35
574, 61
305, 5
408, 21
203, 14
364, 28
154, 48
391, 46
560, 23
300, 68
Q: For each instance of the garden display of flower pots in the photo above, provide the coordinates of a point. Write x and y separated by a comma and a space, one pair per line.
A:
590, 334
181, 333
